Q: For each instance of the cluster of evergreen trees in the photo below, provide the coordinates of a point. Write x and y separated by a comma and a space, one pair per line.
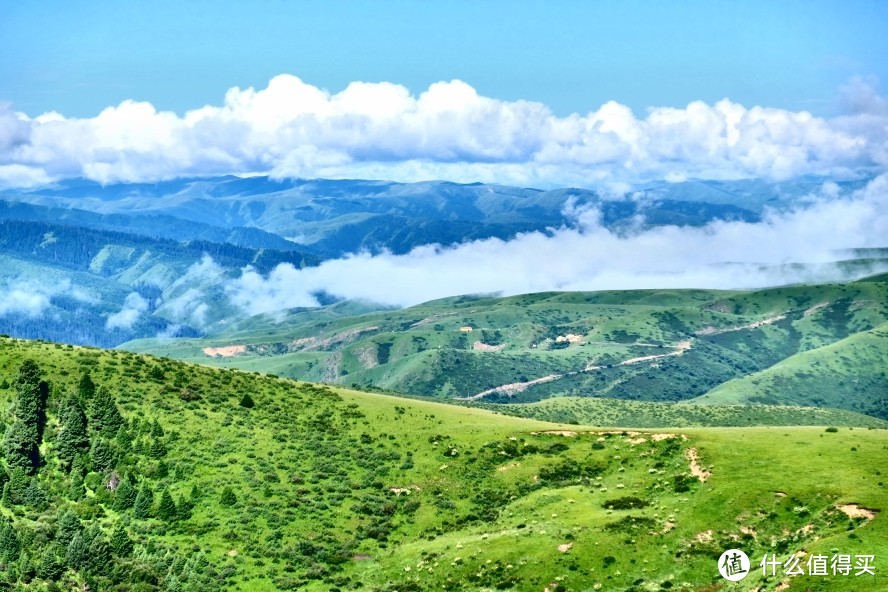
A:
69, 466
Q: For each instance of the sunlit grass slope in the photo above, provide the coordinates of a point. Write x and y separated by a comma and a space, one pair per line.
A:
325, 489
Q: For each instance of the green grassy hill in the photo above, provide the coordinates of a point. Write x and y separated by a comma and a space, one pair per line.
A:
642, 345
644, 414
849, 373
195, 478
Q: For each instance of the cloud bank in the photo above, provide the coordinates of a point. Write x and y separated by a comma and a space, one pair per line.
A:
133, 308
588, 256
449, 131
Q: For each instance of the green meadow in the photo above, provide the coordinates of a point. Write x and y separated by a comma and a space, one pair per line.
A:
198, 478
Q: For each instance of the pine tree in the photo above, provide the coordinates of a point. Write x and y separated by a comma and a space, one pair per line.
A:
121, 544
99, 551
76, 489
9, 543
103, 455
156, 429
34, 496
158, 449
86, 388
247, 401
77, 553
125, 496
30, 406
20, 448
166, 508
50, 566
124, 438
14, 491
183, 508
21, 443
228, 498
143, 502
73, 438
104, 416
68, 526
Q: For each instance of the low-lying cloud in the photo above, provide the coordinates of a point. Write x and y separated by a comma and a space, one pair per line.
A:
20, 295
449, 131
134, 306
588, 256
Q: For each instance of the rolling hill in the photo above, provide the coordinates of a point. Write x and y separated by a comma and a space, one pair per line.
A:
152, 474
642, 345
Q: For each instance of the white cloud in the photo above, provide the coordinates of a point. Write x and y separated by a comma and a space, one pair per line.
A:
449, 131
133, 308
30, 297
588, 256
185, 299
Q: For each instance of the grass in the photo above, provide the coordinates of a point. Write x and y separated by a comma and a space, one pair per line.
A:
342, 489
800, 345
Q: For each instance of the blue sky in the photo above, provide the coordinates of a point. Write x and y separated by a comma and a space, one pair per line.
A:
602, 93
77, 58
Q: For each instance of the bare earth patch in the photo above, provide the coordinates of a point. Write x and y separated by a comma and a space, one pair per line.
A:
857, 511
567, 433
680, 348
755, 325
661, 437
704, 537
696, 470
814, 309
227, 351
480, 346
511, 389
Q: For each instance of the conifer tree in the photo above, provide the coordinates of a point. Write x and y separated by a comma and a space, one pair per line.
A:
125, 496
86, 388
73, 438
32, 393
104, 417
67, 526
99, 551
76, 489
143, 502
14, 490
9, 542
50, 567
121, 544
124, 438
103, 455
228, 498
166, 508
156, 429
20, 448
77, 553
22, 439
